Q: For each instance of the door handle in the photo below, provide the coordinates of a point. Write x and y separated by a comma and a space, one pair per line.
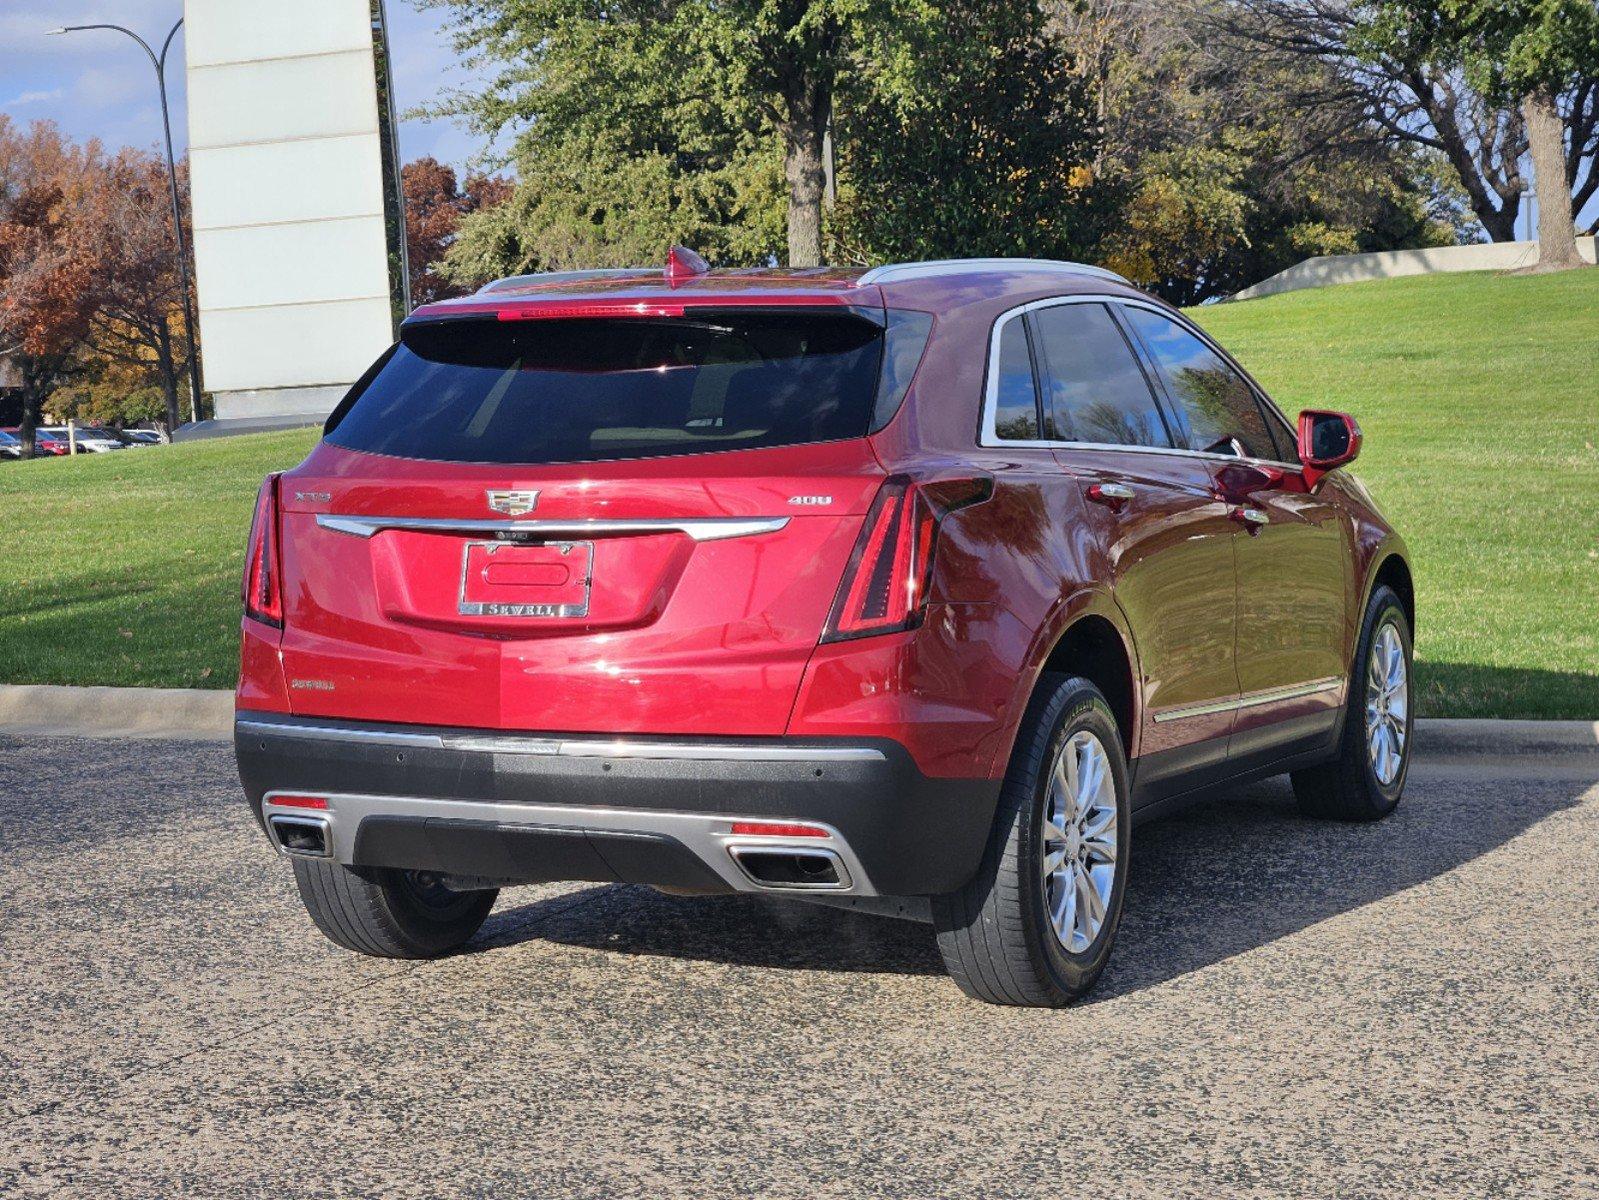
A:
1249, 517
1113, 495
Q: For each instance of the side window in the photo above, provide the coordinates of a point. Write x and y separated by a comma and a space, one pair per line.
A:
1016, 397
1214, 406
1093, 384
904, 339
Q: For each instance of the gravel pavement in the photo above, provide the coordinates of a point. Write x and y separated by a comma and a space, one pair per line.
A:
1294, 1009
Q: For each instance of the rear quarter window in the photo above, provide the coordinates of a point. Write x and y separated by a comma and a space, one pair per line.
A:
547, 391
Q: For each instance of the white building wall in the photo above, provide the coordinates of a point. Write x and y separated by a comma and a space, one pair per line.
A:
291, 257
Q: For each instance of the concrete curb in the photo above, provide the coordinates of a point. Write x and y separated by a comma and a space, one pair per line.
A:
1466, 737
195, 715
116, 712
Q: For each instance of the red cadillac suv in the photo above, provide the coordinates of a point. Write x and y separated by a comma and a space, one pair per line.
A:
908, 590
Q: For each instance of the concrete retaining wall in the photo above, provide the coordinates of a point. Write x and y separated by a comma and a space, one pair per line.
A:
1330, 269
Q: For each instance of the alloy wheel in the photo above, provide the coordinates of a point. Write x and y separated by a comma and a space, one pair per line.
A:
1387, 704
1078, 841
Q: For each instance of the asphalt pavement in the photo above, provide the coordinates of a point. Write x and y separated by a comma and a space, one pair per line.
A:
1294, 1008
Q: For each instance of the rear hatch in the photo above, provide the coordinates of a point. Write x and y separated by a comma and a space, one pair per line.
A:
611, 525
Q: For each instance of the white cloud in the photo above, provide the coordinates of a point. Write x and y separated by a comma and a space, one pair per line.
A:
31, 98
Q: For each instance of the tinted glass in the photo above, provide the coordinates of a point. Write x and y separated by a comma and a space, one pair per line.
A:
1016, 405
904, 339
1092, 382
586, 390
1213, 403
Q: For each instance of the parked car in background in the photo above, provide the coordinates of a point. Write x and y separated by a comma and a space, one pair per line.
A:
89, 439
44, 444
10, 445
908, 589
141, 437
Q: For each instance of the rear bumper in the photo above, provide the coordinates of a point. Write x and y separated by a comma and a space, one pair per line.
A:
529, 808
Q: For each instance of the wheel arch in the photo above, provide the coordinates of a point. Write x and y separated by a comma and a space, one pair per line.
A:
1393, 570
1087, 636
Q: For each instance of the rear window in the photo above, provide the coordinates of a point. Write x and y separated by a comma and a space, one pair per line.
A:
547, 391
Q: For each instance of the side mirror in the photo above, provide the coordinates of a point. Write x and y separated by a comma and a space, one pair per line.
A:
1326, 440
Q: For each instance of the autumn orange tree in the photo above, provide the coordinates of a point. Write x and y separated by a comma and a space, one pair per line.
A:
136, 323
48, 259
435, 202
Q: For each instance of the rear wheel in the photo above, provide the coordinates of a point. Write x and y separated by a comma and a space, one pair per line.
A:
388, 913
1366, 779
1035, 925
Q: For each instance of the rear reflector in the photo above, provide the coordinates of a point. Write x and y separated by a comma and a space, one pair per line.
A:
885, 586
299, 801
777, 829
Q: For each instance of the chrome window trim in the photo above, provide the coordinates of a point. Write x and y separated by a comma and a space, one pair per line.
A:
701, 529
1294, 691
989, 439
899, 272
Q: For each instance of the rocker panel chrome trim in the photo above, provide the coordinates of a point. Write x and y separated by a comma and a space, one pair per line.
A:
1253, 699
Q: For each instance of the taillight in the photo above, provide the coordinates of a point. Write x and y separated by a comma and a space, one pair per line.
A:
884, 589
263, 591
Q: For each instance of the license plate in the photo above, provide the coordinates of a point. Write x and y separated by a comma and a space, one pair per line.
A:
513, 579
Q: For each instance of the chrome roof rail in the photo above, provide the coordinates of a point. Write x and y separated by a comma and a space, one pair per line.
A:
512, 282
899, 272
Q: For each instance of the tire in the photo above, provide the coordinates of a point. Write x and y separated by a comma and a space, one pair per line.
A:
1360, 784
389, 914
997, 934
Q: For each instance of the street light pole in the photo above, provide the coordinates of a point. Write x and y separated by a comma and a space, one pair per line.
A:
160, 65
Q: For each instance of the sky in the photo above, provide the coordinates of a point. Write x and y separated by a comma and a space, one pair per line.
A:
100, 84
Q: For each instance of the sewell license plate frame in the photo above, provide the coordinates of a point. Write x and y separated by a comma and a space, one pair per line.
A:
473, 601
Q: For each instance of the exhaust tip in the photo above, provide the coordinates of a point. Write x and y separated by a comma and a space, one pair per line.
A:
791, 869
303, 836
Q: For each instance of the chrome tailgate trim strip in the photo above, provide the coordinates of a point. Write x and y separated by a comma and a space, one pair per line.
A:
701, 529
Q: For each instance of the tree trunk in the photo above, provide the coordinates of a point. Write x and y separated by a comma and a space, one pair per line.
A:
169, 377
804, 165
32, 402
1557, 227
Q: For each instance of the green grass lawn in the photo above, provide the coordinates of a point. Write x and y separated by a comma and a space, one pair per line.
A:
124, 568
1479, 396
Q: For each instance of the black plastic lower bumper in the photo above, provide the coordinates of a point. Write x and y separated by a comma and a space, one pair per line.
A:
910, 835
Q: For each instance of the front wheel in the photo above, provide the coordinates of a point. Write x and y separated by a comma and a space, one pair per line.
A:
1365, 781
1035, 925
388, 913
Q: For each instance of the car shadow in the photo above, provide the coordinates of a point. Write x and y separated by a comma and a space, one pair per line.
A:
1220, 879
1481, 689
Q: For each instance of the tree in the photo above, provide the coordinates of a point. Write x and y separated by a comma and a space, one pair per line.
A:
434, 207
1401, 63
688, 95
971, 134
1531, 53
48, 260
137, 315
1209, 181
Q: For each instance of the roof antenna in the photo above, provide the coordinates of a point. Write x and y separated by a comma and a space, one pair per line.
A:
682, 263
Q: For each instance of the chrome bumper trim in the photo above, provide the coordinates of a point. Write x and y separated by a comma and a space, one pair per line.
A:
709, 836
564, 747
